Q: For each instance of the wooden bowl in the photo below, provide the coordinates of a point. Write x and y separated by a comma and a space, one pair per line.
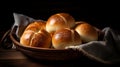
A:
44, 53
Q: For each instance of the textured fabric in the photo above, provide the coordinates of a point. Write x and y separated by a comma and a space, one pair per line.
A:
21, 21
106, 51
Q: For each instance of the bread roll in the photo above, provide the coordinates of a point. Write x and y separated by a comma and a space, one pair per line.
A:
87, 32
59, 21
65, 37
35, 35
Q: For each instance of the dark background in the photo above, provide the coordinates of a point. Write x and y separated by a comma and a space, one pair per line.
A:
98, 13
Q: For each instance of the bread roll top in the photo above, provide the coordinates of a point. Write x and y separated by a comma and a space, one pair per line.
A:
65, 37
59, 21
35, 35
87, 32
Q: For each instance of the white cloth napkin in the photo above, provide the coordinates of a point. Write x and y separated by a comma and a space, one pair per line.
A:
21, 21
106, 51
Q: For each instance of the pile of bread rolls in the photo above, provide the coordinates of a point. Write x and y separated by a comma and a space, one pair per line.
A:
59, 31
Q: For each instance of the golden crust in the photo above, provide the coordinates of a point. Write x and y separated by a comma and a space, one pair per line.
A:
35, 35
59, 21
87, 32
65, 37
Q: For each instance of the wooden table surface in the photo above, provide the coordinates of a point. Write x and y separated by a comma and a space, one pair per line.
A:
14, 58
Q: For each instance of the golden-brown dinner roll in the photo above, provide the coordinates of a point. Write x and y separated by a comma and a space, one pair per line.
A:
87, 32
65, 37
35, 35
59, 21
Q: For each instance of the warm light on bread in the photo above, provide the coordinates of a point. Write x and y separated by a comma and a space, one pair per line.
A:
87, 32
59, 31
35, 35
59, 21
65, 37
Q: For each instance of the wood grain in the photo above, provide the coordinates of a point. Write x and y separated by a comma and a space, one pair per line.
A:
14, 58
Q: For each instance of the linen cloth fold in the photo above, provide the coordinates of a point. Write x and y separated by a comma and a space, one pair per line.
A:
21, 21
106, 51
